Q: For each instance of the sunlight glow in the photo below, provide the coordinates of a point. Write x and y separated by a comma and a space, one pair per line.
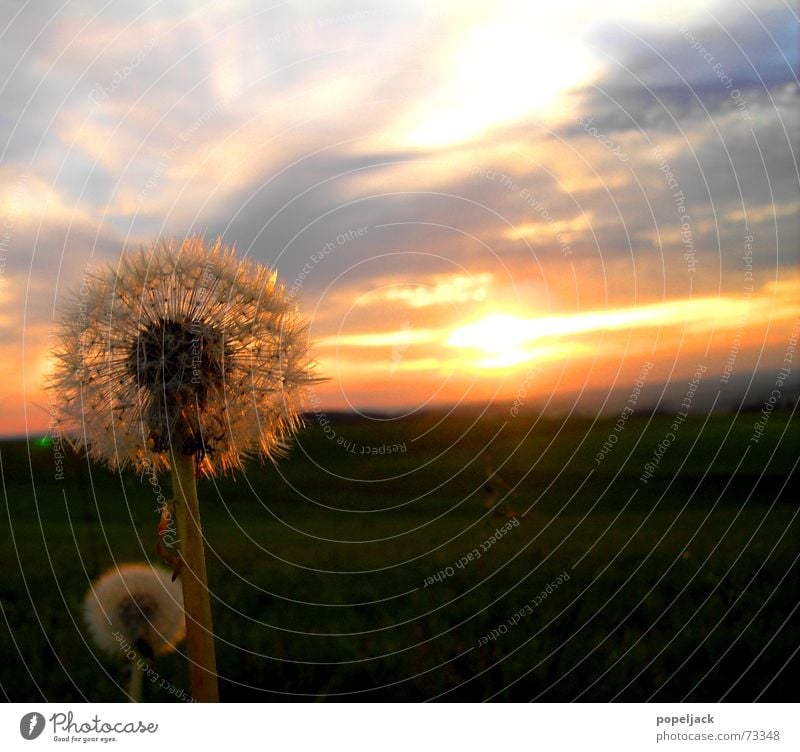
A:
502, 337
401, 337
497, 333
490, 79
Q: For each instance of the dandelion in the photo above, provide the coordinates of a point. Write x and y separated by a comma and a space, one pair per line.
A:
182, 347
187, 359
135, 610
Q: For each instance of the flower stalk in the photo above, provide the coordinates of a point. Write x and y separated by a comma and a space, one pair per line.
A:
135, 683
194, 581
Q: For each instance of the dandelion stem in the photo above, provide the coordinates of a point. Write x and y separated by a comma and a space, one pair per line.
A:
196, 602
135, 683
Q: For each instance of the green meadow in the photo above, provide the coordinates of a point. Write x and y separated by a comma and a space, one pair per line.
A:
380, 561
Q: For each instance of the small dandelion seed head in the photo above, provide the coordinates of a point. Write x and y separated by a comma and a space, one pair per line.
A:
182, 347
139, 603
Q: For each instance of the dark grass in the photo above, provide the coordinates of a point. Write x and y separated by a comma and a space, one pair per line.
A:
685, 589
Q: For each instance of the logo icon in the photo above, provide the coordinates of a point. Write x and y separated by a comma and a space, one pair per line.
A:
400, 346
31, 725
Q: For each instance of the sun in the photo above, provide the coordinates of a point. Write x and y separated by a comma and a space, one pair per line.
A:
499, 337
497, 332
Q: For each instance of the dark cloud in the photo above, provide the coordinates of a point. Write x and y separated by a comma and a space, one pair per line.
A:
661, 77
754, 46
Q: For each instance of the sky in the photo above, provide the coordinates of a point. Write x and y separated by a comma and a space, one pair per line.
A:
470, 202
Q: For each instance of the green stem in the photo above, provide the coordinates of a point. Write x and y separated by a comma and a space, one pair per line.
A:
196, 602
135, 683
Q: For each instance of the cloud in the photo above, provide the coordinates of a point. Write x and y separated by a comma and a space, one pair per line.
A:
440, 290
692, 67
402, 162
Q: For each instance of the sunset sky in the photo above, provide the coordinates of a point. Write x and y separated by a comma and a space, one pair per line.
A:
466, 200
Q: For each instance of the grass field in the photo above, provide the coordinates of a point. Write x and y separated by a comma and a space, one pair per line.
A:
684, 586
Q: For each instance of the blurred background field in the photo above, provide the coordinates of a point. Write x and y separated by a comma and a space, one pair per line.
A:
684, 587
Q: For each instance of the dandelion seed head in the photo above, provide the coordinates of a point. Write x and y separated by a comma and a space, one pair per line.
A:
182, 347
141, 604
